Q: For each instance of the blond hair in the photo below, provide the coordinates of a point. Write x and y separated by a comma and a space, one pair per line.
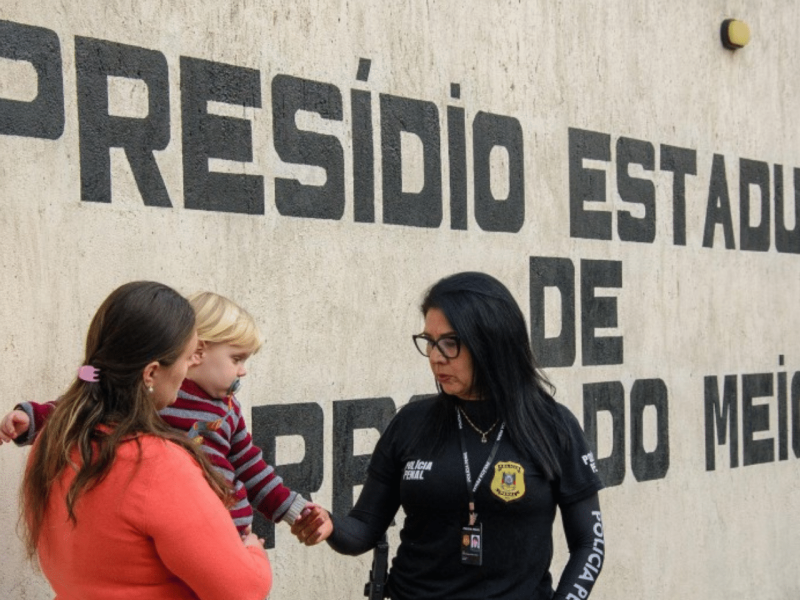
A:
220, 320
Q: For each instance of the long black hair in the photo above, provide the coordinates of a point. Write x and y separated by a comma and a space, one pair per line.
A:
490, 324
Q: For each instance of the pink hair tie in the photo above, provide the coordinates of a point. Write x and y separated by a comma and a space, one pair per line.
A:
88, 373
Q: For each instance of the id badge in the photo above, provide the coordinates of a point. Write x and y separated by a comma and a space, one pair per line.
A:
472, 544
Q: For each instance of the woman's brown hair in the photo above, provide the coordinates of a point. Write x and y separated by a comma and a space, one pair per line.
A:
139, 323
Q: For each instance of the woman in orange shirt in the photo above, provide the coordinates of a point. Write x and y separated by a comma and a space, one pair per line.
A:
115, 503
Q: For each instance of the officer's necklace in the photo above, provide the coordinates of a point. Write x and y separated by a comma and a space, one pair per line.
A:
483, 434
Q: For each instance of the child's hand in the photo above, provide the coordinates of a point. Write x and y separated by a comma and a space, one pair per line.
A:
13, 425
313, 526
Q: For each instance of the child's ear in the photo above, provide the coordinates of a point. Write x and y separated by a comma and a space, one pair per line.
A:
200, 352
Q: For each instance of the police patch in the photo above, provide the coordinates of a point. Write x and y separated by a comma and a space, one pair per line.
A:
508, 482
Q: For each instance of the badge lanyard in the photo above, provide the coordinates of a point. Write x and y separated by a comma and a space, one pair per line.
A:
472, 534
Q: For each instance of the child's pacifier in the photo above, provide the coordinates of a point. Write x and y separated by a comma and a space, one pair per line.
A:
234, 387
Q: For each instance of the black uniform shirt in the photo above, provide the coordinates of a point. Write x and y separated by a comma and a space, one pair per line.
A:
516, 507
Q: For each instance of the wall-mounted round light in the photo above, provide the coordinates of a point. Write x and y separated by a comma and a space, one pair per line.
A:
735, 34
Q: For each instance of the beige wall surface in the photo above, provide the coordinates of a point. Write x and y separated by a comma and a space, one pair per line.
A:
634, 183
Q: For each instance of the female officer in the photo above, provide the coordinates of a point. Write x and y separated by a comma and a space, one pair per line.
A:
480, 468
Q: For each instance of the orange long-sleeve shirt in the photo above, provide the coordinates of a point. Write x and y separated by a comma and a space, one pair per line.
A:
152, 529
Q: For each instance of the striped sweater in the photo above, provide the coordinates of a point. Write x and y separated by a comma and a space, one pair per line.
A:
230, 448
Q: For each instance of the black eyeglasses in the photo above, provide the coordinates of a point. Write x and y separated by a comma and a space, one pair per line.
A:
449, 346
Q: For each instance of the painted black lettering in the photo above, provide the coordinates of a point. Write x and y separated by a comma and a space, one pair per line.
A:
608, 396
292, 198
599, 312
786, 240
272, 421
635, 190
724, 417
754, 237
350, 471
718, 210
796, 414
647, 466
783, 418
363, 157
755, 418
457, 152
421, 118
558, 273
588, 185
42, 117
215, 136
95, 62
681, 162
498, 214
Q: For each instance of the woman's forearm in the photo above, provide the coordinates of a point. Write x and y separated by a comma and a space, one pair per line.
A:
361, 529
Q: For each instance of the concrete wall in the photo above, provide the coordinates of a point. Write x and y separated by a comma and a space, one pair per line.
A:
634, 183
